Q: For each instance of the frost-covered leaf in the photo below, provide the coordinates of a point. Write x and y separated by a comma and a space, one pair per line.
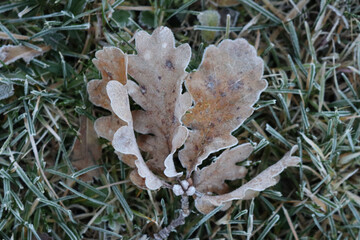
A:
212, 178
124, 140
121, 18
106, 127
209, 18
6, 90
224, 88
12, 53
159, 70
137, 179
86, 151
267, 178
147, 19
112, 63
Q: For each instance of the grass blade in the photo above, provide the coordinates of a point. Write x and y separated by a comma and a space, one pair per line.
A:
180, 9
261, 10
269, 226
277, 135
84, 196
203, 220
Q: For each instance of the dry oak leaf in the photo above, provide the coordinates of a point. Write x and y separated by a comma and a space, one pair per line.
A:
159, 70
86, 150
212, 178
124, 140
267, 178
112, 64
12, 53
224, 88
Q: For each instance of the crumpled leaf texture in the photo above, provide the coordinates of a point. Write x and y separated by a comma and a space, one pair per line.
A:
224, 88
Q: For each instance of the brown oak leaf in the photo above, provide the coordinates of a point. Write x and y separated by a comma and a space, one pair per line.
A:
159, 70
12, 53
224, 168
112, 63
267, 178
86, 150
124, 140
224, 88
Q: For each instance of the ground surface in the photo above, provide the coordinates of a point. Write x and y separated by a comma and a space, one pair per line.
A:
311, 51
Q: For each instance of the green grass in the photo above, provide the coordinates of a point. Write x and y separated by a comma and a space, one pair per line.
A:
312, 64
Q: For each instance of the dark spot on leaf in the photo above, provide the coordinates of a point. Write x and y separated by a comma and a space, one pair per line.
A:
169, 65
235, 85
142, 89
109, 74
210, 85
210, 82
208, 139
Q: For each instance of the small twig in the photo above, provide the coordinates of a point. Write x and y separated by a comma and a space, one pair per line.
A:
180, 220
135, 8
